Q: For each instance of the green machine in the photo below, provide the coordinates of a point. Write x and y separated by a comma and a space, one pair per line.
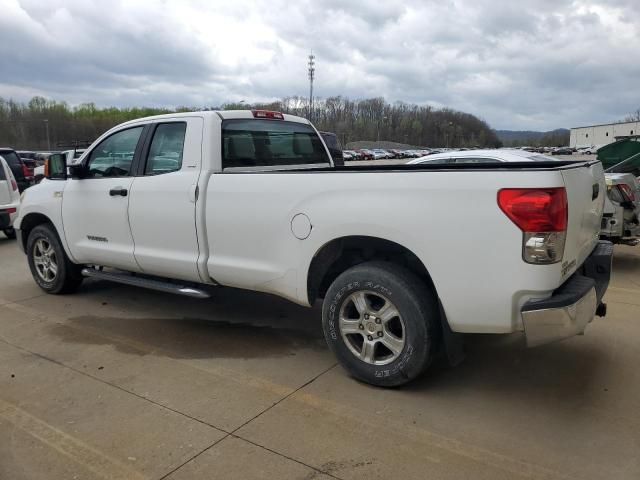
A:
625, 149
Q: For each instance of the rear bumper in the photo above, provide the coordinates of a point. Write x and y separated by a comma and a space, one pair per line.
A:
573, 305
6, 218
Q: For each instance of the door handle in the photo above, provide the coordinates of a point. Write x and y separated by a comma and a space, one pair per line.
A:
114, 192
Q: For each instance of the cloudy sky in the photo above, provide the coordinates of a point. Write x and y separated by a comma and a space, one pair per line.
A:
518, 64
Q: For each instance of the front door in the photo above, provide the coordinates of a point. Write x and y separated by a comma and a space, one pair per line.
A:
95, 209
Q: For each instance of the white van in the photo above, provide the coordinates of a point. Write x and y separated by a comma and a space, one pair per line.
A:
9, 199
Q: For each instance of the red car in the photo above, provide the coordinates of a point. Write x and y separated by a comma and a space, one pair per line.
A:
366, 154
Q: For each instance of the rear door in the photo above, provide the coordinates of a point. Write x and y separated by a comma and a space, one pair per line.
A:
586, 191
162, 205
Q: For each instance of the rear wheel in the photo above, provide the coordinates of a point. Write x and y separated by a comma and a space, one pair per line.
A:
10, 233
50, 267
381, 322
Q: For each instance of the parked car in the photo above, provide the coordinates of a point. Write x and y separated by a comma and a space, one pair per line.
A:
246, 210
365, 154
28, 166
351, 154
19, 169
587, 150
562, 151
379, 154
9, 199
27, 154
396, 153
621, 217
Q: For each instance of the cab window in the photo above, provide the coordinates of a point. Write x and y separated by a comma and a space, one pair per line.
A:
264, 143
114, 155
167, 146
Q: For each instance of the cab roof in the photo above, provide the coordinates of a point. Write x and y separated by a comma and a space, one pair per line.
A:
222, 114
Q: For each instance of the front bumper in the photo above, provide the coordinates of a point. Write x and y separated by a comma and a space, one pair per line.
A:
572, 306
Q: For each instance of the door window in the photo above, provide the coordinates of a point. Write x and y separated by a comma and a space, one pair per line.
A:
114, 155
167, 146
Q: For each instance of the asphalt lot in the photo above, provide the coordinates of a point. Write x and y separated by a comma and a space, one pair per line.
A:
122, 383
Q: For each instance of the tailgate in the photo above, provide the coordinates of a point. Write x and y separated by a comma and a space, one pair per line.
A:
586, 190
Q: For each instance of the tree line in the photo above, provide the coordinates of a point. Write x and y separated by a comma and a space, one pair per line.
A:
555, 138
43, 124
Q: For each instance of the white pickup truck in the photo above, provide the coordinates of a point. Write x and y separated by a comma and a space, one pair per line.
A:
404, 257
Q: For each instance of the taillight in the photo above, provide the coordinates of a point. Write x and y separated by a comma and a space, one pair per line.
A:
14, 185
627, 192
541, 214
267, 114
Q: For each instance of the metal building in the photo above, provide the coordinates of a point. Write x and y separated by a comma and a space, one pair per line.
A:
599, 135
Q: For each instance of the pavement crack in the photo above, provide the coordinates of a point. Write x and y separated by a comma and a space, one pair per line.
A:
309, 382
315, 469
193, 457
227, 433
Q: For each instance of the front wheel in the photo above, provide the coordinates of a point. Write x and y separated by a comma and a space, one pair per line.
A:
50, 267
381, 322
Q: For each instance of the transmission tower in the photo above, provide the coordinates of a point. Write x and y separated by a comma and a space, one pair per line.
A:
312, 74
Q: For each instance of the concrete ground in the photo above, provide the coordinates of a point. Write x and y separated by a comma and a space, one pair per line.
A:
116, 382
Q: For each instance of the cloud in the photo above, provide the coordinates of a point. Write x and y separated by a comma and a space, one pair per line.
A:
519, 65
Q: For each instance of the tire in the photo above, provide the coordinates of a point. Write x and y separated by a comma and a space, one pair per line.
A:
348, 323
10, 233
44, 251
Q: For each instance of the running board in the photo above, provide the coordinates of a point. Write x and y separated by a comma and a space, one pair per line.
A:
143, 282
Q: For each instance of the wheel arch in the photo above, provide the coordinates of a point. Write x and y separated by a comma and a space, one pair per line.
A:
31, 221
341, 253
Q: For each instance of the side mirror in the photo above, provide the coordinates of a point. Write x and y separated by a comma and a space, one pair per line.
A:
78, 171
55, 167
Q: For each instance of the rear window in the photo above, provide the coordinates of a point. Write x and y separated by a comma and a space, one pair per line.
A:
266, 143
3, 175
